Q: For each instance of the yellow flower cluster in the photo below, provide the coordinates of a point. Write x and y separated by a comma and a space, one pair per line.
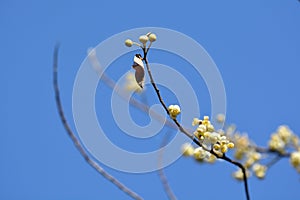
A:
259, 170
242, 145
204, 128
244, 151
174, 110
198, 153
250, 161
295, 160
283, 138
208, 137
282, 141
251, 158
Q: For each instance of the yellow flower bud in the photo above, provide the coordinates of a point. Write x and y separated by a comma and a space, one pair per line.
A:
206, 118
174, 110
187, 149
196, 122
256, 156
206, 134
216, 147
143, 39
295, 159
210, 128
259, 170
230, 145
199, 154
201, 128
220, 118
152, 37
224, 148
128, 43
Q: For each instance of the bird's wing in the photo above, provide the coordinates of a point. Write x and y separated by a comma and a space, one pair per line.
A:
138, 65
139, 75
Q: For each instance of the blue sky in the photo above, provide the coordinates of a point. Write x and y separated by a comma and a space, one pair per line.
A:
255, 45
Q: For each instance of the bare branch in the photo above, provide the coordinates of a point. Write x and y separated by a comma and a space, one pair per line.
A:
162, 176
160, 98
273, 161
190, 135
278, 155
76, 141
267, 150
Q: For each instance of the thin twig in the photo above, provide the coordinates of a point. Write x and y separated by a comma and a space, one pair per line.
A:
162, 176
273, 161
278, 155
153, 83
160, 98
267, 150
223, 157
76, 141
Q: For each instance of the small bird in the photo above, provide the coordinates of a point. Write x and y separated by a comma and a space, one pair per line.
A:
138, 65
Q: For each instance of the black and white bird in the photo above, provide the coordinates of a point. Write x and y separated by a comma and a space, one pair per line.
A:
138, 66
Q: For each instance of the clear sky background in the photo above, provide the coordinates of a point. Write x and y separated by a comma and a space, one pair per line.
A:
255, 44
